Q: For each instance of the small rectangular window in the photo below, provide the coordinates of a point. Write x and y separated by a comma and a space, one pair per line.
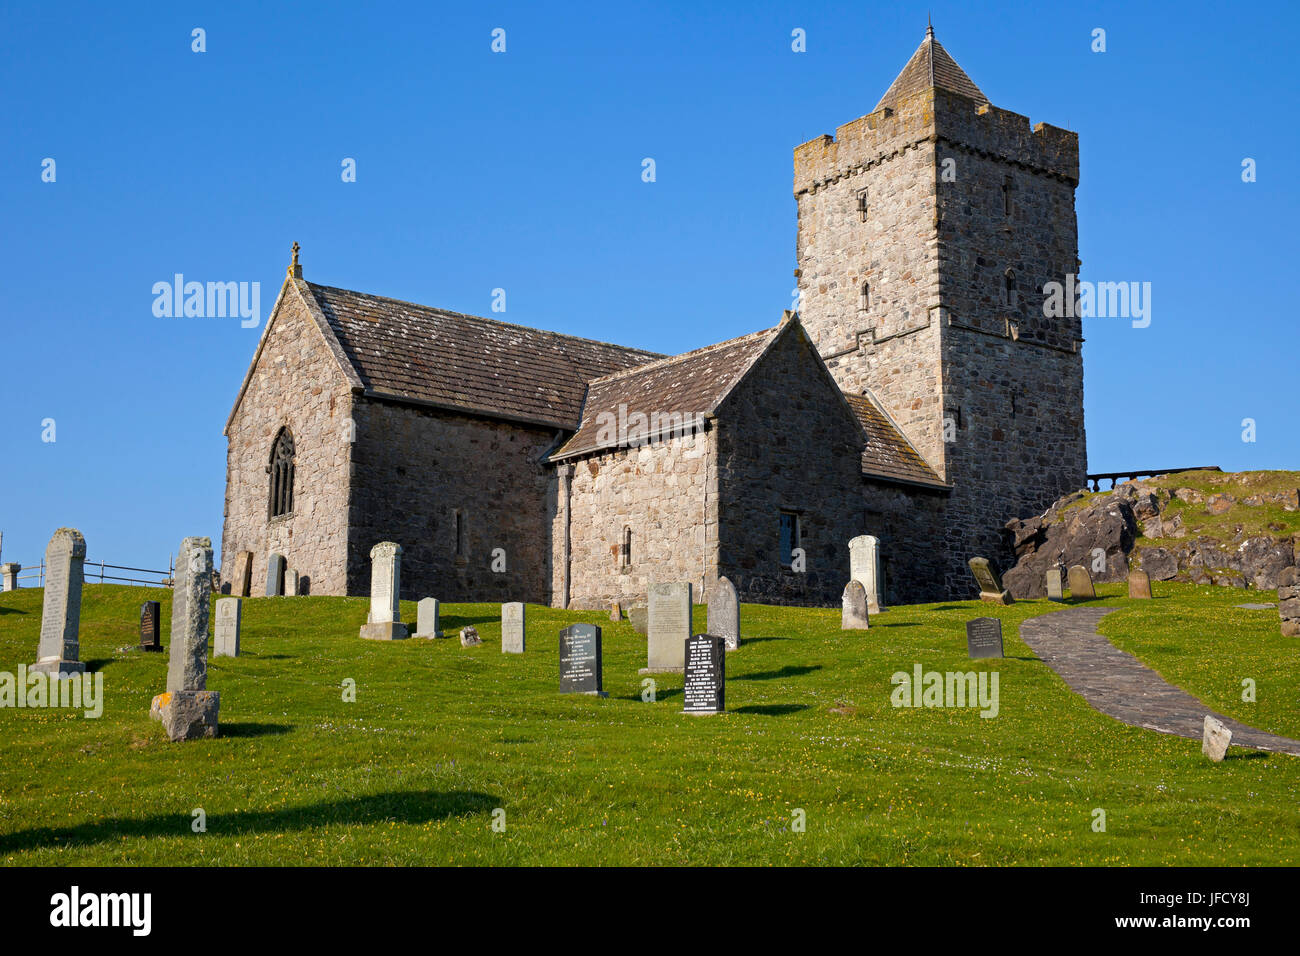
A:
459, 531
862, 204
789, 536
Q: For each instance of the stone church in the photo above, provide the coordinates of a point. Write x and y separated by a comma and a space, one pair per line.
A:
918, 394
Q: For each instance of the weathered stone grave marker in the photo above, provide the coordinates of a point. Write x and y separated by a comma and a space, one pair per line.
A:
1215, 738
60, 645
581, 668
9, 576
469, 637
513, 627
241, 585
291, 580
724, 613
230, 612
1288, 601
984, 637
853, 616
188, 709
865, 566
1081, 583
990, 584
639, 617
1055, 584
669, 625
274, 575
428, 621
384, 622
705, 688
1139, 584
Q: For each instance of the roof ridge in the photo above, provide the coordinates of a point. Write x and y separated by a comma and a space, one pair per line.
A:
483, 318
682, 356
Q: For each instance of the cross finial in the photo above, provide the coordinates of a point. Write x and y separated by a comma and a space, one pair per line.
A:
929, 27
295, 270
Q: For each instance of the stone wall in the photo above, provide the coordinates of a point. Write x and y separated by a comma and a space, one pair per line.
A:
666, 494
296, 383
416, 467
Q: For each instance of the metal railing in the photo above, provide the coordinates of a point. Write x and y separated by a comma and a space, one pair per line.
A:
1094, 481
96, 572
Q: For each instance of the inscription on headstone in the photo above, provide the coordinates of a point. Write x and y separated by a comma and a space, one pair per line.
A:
384, 622
226, 629
669, 625
151, 626
580, 660
724, 613
984, 637
59, 646
513, 627
705, 688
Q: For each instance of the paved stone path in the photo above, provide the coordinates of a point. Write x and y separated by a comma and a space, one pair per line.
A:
1121, 686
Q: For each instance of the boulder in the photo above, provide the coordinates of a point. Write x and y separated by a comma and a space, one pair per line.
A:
187, 714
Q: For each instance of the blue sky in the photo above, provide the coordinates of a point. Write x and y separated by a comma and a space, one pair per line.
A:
522, 171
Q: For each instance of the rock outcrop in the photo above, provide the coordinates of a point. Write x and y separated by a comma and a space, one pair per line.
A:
1172, 533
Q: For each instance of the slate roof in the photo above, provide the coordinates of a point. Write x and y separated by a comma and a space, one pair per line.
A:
408, 351
931, 66
690, 383
888, 454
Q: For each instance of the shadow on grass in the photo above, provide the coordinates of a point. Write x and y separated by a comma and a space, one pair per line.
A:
408, 806
98, 663
771, 710
449, 623
790, 670
250, 729
659, 695
11, 610
761, 640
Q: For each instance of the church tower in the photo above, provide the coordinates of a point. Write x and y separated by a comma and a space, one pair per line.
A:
928, 231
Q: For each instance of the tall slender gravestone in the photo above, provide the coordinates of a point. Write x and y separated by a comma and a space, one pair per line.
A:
188, 709
274, 575
385, 620
513, 618
865, 566
1081, 583
151, 626
668, 627
61, 617
853, 615
724, 613
427, 623
9, 576
990, 584
226, 631
242, 584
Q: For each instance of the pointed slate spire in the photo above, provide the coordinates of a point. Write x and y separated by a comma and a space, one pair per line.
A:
931, 66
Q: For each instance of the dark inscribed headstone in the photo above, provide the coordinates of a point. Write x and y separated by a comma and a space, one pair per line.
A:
1139, 584
151, 626
984, 637
705, 690
580, 661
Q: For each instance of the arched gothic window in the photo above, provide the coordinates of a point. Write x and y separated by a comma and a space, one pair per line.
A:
281, 469
1009, 289
864, 300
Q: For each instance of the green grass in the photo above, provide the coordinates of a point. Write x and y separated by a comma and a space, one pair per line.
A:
440, 736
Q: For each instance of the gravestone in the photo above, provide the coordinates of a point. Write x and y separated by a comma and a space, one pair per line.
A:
724, 613
616, 612
188, 709
226, 630
274, 575
241, 584
705, 689
984, 637
854, 614
291, 582
990, 584
639, 617
1055, 584
1081, 583
9, 576
1139, 584
668, 627
427, 619
469, 637
61, 614
581, 670
865, 566
1215, 738
1288, 601
384, 622
151, 626
513, 627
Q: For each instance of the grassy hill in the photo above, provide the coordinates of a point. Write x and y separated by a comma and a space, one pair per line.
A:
440, 736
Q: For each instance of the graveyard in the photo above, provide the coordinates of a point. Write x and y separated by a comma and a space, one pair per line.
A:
337, 750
